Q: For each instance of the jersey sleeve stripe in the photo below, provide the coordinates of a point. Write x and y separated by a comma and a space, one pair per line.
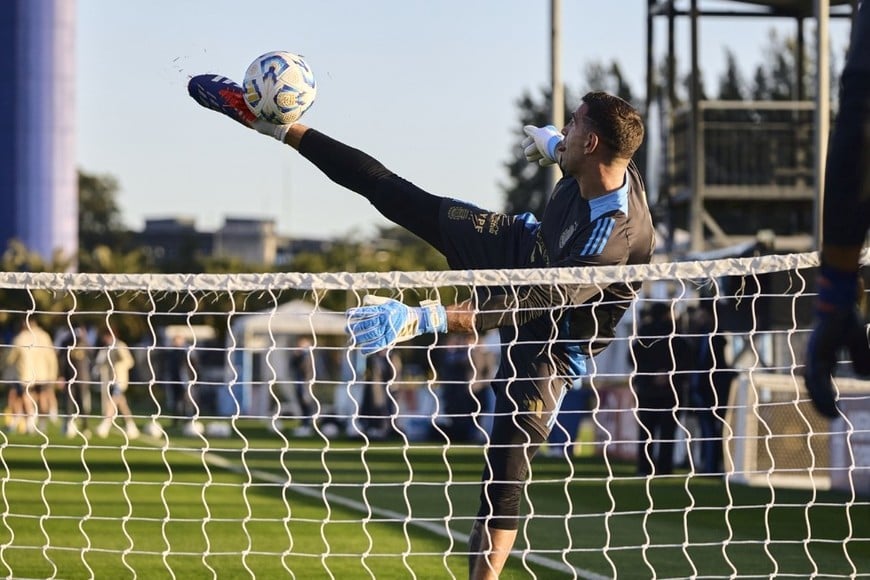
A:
598, 239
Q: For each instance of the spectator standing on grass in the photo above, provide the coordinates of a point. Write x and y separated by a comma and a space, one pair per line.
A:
176, 374
114, 363
710, 387
299, 400
36, 373
456, 392
381, 369
75, 362
660, 358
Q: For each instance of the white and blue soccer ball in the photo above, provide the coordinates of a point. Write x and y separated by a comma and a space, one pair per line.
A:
279, 87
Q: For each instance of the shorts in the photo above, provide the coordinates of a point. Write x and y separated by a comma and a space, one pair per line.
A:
34, 388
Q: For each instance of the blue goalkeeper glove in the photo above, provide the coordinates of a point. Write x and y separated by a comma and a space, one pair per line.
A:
838, 325
225, 96
382, 322
540, 144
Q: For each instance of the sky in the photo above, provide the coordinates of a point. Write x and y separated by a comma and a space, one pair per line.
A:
430, 88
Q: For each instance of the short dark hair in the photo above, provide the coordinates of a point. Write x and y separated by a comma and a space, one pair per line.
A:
618, 124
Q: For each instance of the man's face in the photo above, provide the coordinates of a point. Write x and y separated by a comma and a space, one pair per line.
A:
577, 144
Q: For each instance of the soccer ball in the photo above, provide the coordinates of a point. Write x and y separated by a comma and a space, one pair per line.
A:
279, 86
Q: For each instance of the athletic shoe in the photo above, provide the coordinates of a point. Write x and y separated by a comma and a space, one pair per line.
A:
221, 94
132, 431
192, 428
303, 431
153, 429
103, 428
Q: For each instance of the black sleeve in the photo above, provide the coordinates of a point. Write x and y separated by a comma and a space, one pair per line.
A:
398, 200
346, 166
519, 307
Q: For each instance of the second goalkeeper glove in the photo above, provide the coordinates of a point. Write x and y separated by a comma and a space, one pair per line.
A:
382, 322
225, 96
838, 325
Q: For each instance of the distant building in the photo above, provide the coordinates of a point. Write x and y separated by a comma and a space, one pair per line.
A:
38, 182
289, 248
252, 241
174, 240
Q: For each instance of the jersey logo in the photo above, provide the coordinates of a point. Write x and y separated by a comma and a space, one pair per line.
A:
566, 235
457, 212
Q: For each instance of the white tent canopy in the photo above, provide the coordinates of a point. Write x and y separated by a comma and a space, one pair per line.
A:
291, 319
272, 333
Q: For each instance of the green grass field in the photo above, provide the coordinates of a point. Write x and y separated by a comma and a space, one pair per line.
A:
255, 506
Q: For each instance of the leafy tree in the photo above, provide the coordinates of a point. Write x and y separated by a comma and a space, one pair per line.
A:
760, 87
393, 249
731, 83
779, 69
526, 189
600, 77
18, 258
100, 220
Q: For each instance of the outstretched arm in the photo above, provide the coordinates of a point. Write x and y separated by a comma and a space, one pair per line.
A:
838, 324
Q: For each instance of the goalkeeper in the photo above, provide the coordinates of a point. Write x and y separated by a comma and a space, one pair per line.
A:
597, 215
846, 218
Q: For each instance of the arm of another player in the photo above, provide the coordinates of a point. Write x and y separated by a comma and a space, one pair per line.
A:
838, 323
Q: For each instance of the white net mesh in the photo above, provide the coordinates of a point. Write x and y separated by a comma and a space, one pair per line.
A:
245, 439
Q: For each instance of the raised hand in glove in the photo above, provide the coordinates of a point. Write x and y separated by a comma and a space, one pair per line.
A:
540, 144
382, 322
838, 325
225, 96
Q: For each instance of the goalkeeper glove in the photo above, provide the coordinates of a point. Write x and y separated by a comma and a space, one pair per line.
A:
838, 325
225, 96
382, 322
540, 144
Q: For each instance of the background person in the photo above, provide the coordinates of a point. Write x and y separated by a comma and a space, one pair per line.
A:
456, 389
75, 361
710, 387
36, 372
660, 358
299, 399
113, 363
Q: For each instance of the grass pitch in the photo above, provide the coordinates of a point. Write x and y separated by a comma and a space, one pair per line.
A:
258, 504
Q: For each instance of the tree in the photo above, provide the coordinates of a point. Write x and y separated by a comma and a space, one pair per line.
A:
608, 78
526, 189
776, 79
779, 70
731, 84
100, 220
